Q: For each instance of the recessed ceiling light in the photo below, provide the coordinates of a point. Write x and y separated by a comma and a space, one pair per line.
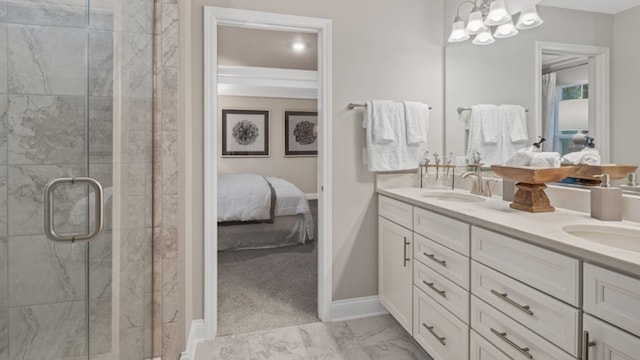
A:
299, 46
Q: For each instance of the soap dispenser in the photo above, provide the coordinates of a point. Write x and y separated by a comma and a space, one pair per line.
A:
606, 201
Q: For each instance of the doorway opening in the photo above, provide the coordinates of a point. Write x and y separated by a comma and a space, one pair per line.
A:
214, 18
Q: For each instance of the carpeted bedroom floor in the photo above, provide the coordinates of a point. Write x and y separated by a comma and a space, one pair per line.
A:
267, 289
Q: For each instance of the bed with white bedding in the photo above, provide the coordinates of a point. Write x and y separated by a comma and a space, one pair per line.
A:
261, 212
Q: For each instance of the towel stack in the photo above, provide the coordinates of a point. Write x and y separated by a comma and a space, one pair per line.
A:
496, 132
396, 134
587, 156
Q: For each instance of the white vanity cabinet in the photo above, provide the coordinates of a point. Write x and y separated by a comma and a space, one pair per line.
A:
470, 293
395, 260
612, 315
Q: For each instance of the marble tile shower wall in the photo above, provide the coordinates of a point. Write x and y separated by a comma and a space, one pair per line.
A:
167, 319
47, 93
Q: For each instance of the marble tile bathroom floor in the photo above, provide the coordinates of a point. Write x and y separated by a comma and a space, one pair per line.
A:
373, 338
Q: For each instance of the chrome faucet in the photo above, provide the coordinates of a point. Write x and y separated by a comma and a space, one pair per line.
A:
478, 188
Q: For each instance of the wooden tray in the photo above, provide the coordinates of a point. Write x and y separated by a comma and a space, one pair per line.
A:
616, 172
532, 175
530, 182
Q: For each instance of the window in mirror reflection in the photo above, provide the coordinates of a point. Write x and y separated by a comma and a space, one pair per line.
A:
568, 98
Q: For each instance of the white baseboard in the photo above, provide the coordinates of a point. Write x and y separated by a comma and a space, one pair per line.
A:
196, 336
357, 308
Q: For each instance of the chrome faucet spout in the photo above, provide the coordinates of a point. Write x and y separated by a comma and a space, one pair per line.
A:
478, 187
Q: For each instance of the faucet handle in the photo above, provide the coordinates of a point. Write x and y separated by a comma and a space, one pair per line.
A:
606, 180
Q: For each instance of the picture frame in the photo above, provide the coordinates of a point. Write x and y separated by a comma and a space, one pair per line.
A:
300, 133
245, 133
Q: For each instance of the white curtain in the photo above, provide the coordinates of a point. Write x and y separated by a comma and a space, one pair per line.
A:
548, 110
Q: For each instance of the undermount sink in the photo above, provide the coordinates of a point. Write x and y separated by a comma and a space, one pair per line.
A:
622, 238
454, 197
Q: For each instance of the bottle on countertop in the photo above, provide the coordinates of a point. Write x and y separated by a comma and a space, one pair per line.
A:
606, 201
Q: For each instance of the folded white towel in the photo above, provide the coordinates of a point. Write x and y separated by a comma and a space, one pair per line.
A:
491, 153
489, 116
391, 156
522, 157
416, 117
385, 116
546, 160
591, 157
515, 121
587, 156
574, 158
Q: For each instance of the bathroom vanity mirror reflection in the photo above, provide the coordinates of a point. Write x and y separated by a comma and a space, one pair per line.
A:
510, 71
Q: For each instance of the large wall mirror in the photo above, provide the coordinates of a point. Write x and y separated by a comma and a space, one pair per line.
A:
590, 48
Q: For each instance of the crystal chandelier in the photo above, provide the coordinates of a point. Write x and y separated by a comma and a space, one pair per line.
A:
487, 14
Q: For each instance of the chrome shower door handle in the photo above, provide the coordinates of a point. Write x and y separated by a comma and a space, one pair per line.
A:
49, 208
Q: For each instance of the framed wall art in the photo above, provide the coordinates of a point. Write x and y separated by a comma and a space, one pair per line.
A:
300, 133
245, 133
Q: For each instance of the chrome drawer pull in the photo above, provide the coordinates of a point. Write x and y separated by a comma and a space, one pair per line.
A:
503, 336
433, 257
405, 259
504, 296
441, 292
586, 344
440, 339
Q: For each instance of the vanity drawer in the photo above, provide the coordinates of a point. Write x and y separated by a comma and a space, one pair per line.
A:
613, 297
443, 291
510, 337
396, 211
548, 317
451, 233
481, 349
548, 271
441, 334
449, 263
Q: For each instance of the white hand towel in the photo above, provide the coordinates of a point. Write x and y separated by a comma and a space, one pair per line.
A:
522, 157
489, 116
574, 158
416, 117
591, 157
546, 160
385, 116
490, 153
392, 156
515, 122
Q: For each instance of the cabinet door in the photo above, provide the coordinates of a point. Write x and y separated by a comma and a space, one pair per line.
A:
608, 342
395, 271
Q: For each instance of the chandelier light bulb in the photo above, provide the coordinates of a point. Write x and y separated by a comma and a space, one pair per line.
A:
529, 19
458, 32
506, 31
476, 24
484, 38
498, 14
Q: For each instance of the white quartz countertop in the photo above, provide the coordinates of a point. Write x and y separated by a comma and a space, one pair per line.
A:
543, 229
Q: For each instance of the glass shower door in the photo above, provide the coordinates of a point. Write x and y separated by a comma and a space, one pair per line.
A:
76, 101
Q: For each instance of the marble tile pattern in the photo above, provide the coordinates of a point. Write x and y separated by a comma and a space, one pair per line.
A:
101, 57
4, 334
69, 13
3, 50
169, 35
364, 339
4, 129
53, 273
61, 326
25, 188
165, 169
3, 10
45, 60
46, 129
